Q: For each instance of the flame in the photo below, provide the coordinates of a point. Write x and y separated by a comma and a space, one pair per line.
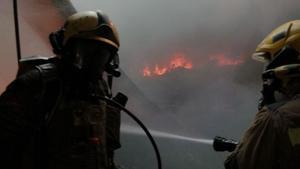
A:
160, 71
179, 60
222, 60
147, 71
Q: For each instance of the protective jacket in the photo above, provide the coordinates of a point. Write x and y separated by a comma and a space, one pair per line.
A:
272, 141
51, 119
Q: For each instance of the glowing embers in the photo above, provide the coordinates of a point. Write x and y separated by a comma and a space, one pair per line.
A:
147, 71
222, 60
179, 60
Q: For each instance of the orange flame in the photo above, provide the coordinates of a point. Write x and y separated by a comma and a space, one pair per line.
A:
160, 71
179, 60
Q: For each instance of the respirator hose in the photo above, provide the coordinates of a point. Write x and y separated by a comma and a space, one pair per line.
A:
140, 123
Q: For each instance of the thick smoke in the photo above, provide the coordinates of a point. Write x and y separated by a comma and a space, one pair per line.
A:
36, 20
209, 99
206, 101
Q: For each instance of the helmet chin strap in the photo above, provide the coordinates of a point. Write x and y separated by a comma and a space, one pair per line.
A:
110, 83
112, 70
270, 85
267, 92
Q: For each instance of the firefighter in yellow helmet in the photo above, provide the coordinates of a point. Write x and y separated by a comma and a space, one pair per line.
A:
273, 139
50, 115
82, 35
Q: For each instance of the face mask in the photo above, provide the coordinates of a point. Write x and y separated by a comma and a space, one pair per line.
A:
91, 58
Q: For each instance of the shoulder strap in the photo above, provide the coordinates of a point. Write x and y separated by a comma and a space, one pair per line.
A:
29, 63
49, 99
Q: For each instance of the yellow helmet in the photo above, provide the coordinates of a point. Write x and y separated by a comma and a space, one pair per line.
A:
280, 51
91, 25
286, 34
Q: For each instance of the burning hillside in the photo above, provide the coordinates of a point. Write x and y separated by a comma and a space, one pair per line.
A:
179, 60
182, 61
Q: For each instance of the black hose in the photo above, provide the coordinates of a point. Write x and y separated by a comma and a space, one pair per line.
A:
18, 46
140, 124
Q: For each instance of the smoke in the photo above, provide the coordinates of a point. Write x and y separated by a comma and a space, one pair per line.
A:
36, 20
208, 100
7, 63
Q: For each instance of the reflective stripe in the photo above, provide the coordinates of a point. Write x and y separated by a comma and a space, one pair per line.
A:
294, 134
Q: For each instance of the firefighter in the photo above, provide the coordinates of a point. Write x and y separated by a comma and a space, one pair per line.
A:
50, 115
273, 139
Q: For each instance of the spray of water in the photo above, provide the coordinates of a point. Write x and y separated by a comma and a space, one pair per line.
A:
137, 131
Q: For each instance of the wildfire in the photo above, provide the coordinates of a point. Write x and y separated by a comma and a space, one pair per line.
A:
179, 60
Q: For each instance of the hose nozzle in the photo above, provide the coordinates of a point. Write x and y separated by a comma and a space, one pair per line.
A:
224, 144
